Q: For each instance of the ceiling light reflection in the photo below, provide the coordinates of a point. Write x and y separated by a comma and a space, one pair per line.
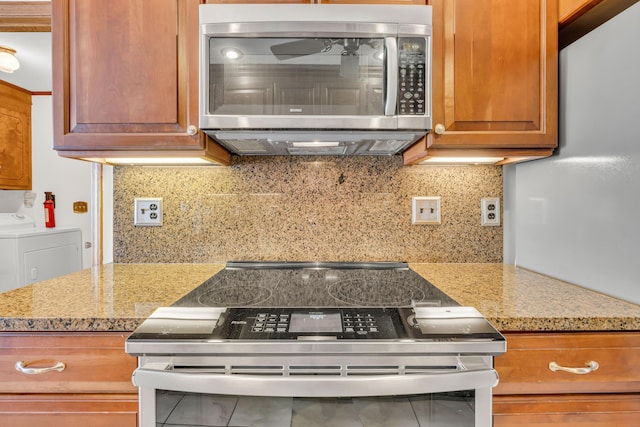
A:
231, 53
8, 61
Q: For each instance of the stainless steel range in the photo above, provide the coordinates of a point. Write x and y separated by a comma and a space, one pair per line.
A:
316, 344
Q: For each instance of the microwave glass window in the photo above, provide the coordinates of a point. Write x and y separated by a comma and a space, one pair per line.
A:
296, 76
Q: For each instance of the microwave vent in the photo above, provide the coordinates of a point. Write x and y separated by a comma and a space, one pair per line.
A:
325, 151
247, 146
386, 146
315, 142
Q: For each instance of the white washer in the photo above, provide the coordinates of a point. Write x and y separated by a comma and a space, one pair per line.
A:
29, 254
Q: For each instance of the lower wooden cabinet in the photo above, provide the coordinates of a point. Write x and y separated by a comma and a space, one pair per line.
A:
95, 389
593, 410
597, 382
91, 387
69, 410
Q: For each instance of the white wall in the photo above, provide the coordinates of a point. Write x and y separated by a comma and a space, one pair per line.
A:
576, 215
107, 214
69, 180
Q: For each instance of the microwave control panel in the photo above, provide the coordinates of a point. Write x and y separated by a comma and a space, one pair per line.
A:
412, 76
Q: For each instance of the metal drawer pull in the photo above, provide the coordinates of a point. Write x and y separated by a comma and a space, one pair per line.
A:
591, 366
20, 366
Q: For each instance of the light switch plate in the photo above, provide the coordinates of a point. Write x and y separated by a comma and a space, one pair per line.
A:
148, 211
425, 210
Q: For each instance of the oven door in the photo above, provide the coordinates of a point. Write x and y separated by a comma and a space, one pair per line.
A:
210, 394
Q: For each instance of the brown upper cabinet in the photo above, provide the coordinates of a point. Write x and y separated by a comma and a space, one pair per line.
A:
495, 71
15, 137
125, 79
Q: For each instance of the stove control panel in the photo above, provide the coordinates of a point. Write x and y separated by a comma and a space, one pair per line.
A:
302, 323
316, 322
268, 322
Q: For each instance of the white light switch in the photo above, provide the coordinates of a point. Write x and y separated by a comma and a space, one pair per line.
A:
425, 210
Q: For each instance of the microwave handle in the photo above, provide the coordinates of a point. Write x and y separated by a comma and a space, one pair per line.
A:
391, 47
316, 386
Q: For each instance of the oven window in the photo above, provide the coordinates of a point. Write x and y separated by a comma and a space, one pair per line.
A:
296, 76
191, 409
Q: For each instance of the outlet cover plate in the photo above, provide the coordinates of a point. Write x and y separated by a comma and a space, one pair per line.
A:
425, 210
490, 211
148, 211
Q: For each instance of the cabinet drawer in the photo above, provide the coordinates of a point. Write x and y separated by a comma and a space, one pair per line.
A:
585, 410
524, 368
72, 410
94, 363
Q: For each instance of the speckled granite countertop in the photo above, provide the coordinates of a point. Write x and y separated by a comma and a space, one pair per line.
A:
516, 299
117, 297
114, 297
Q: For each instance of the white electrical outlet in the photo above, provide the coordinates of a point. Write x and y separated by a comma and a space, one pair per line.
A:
490, 211
425, 210
148, 211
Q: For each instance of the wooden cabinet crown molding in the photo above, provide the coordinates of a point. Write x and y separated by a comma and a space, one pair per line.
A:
576, 18
25, 16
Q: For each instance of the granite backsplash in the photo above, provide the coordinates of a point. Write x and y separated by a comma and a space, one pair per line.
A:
306, 208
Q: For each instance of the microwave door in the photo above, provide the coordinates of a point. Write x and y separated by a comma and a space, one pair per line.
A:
328, 82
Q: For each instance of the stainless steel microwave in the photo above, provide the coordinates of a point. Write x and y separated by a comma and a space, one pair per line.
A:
315, 78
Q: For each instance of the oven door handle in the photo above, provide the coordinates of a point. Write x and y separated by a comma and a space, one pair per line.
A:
314, 386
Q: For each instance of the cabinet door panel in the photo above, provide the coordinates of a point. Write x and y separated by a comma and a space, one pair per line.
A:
117, 68
125, 74
494, 73
15, 138
495, 84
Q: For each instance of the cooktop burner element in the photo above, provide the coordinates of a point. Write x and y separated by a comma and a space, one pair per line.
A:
375, 293
235, 296
315, 285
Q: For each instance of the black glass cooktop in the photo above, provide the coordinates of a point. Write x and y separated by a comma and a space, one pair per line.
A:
256, 304
303, 284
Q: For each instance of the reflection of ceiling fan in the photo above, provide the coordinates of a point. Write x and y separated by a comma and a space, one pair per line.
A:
348, 58
303, 47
